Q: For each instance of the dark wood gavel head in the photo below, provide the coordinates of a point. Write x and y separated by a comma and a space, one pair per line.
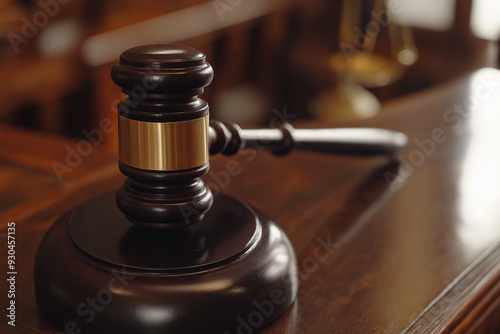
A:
163, 135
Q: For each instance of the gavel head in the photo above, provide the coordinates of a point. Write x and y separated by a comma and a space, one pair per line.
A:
163, 135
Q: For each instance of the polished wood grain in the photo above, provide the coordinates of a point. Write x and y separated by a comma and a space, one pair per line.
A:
382, 247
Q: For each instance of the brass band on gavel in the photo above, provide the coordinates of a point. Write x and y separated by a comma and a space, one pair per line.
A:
163, 146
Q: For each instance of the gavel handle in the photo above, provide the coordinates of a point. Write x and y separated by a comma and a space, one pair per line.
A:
230, 138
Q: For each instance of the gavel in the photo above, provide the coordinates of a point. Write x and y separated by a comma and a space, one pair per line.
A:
162, 254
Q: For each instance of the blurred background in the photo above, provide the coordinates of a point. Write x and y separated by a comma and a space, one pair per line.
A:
299, 59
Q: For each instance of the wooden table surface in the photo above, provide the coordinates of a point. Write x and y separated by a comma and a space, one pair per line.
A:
382, 247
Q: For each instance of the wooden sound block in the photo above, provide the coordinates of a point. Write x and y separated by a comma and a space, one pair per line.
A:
234, 271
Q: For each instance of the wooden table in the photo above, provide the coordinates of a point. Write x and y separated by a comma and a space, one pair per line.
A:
381, 247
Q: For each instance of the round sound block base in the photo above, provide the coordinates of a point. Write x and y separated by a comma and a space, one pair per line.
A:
234, 272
